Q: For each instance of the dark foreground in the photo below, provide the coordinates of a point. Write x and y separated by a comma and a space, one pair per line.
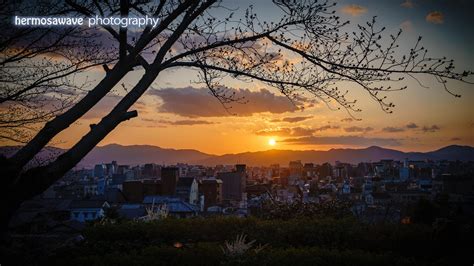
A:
262, 242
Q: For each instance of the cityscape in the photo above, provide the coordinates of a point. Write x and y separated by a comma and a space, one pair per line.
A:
387, 191
381, 191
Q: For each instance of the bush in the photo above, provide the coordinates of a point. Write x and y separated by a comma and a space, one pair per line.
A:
300, 241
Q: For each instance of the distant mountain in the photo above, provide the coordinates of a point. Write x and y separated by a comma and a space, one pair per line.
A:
454, 152
141, 154
370, 154
133, 155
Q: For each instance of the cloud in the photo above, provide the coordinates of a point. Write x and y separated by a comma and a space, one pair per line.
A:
435, 17
274, 132
358, 129
412, 126
292, 119
393, 129
293, 132
197, 102
354, 10
188, 122
326, 127
407, 25
184, 122
301, 131
428, 129
343, 140
408, 4
286, 132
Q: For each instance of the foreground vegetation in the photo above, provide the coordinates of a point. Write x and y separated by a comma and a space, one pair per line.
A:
299, 241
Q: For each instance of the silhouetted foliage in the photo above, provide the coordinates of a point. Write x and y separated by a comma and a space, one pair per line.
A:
247, 48
301, 241
281, 210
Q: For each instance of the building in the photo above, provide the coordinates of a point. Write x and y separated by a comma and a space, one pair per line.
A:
152, 187
136, 190
133, 191
169, 179
309, 171
211, 189
176, 206
100, 170
88, 210
187, 189
111, 168
151, 170
117, 181
296, 172
90, 189
233, 183
296, 168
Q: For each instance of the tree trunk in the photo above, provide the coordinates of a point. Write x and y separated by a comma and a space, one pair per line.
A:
34, 181
63, 121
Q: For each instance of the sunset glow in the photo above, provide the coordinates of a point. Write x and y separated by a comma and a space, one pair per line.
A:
272, 142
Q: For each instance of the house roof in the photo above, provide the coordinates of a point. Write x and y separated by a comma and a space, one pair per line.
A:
175, 205
88, 204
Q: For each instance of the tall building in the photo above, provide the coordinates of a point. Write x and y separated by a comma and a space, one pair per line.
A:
133, 191
151, 170
111, 168
325, 170
169, 180
309, 171
136, 190
296, 172
233, 183
100, 170
212, 190
296, 168
187, 189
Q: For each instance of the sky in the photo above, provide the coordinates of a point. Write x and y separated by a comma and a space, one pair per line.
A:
176, 112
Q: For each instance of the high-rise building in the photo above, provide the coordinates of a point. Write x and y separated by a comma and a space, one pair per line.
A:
100, 170
233, 183
187, 189
309, 171
296, 168
151, 170
169, 180
212, 190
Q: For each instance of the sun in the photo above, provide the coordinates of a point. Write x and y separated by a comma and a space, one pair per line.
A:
272, 142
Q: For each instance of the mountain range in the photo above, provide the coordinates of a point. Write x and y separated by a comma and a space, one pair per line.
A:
141, 154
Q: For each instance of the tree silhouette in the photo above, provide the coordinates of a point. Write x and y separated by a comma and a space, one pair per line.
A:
190, 35
38, 66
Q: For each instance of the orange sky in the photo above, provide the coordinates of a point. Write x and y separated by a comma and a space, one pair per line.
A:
177, 113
